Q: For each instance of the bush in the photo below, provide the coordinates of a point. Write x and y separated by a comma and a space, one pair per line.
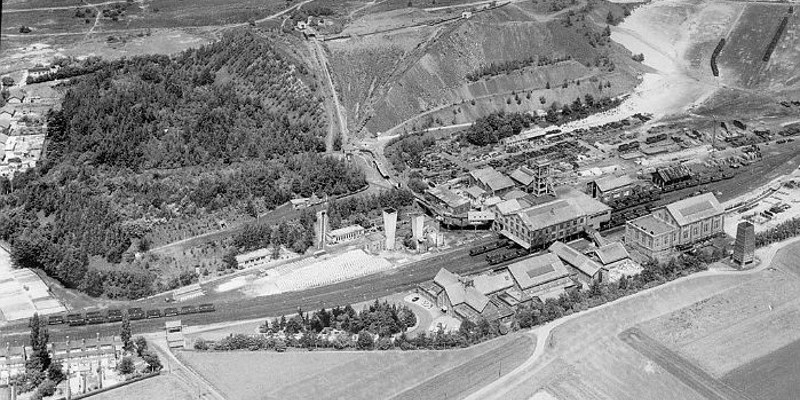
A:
47, 388
126, 366
365, 340
141, 345
152, 360
280, 345
200, 344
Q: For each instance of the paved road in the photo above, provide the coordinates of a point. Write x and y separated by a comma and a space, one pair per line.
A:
234, 308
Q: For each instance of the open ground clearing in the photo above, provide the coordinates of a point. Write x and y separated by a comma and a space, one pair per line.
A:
359, 375
164, 386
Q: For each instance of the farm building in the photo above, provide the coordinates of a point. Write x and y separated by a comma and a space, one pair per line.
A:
681, 223
560, 219
543, 276
587, 270
490, 180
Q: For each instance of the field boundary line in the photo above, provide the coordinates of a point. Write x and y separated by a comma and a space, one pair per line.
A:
681, 368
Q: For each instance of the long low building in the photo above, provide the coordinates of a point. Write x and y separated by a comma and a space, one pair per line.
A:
560, 219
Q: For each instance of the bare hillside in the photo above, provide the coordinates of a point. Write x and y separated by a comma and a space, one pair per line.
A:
414, 73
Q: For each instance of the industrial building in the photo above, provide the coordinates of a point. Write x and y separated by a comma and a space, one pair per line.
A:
586, 270
681, 223
447, 200
609, 188
539, 225
493, 182
345, 234
543, 276
461, 298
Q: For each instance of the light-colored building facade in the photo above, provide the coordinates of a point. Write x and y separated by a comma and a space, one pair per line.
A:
560, 219
681, 223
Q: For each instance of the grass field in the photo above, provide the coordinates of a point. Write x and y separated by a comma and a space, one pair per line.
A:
165, 387
772, 377
735, 327
359, 375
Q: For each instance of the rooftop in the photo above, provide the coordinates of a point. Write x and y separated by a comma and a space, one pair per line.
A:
537, 270
346, 230
651, 224
609, 183
488, 284
693, 209
575, 259
492, 178
523, 175
514, 194
447, 196
561, 210
458, 292
474, 191
612, 253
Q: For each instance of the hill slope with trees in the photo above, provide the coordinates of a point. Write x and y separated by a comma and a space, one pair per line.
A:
147, 140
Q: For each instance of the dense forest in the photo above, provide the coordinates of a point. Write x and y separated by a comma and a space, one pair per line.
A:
146, 139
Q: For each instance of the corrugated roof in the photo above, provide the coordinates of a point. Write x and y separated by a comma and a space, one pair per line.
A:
492, 178
575, 259
693, 209
612, 253
538, 270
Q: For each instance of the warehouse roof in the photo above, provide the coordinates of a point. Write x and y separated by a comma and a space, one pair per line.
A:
447, 196
488, 284
493, 179
538, 270
523, 175
609, 183
612, 253
693, 209
575, 259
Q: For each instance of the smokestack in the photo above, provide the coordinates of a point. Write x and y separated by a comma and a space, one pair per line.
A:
389, 226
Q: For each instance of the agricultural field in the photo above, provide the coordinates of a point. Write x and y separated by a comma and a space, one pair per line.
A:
586, 359
771, 377
160, 387
741, 59
735, 327
360, 375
